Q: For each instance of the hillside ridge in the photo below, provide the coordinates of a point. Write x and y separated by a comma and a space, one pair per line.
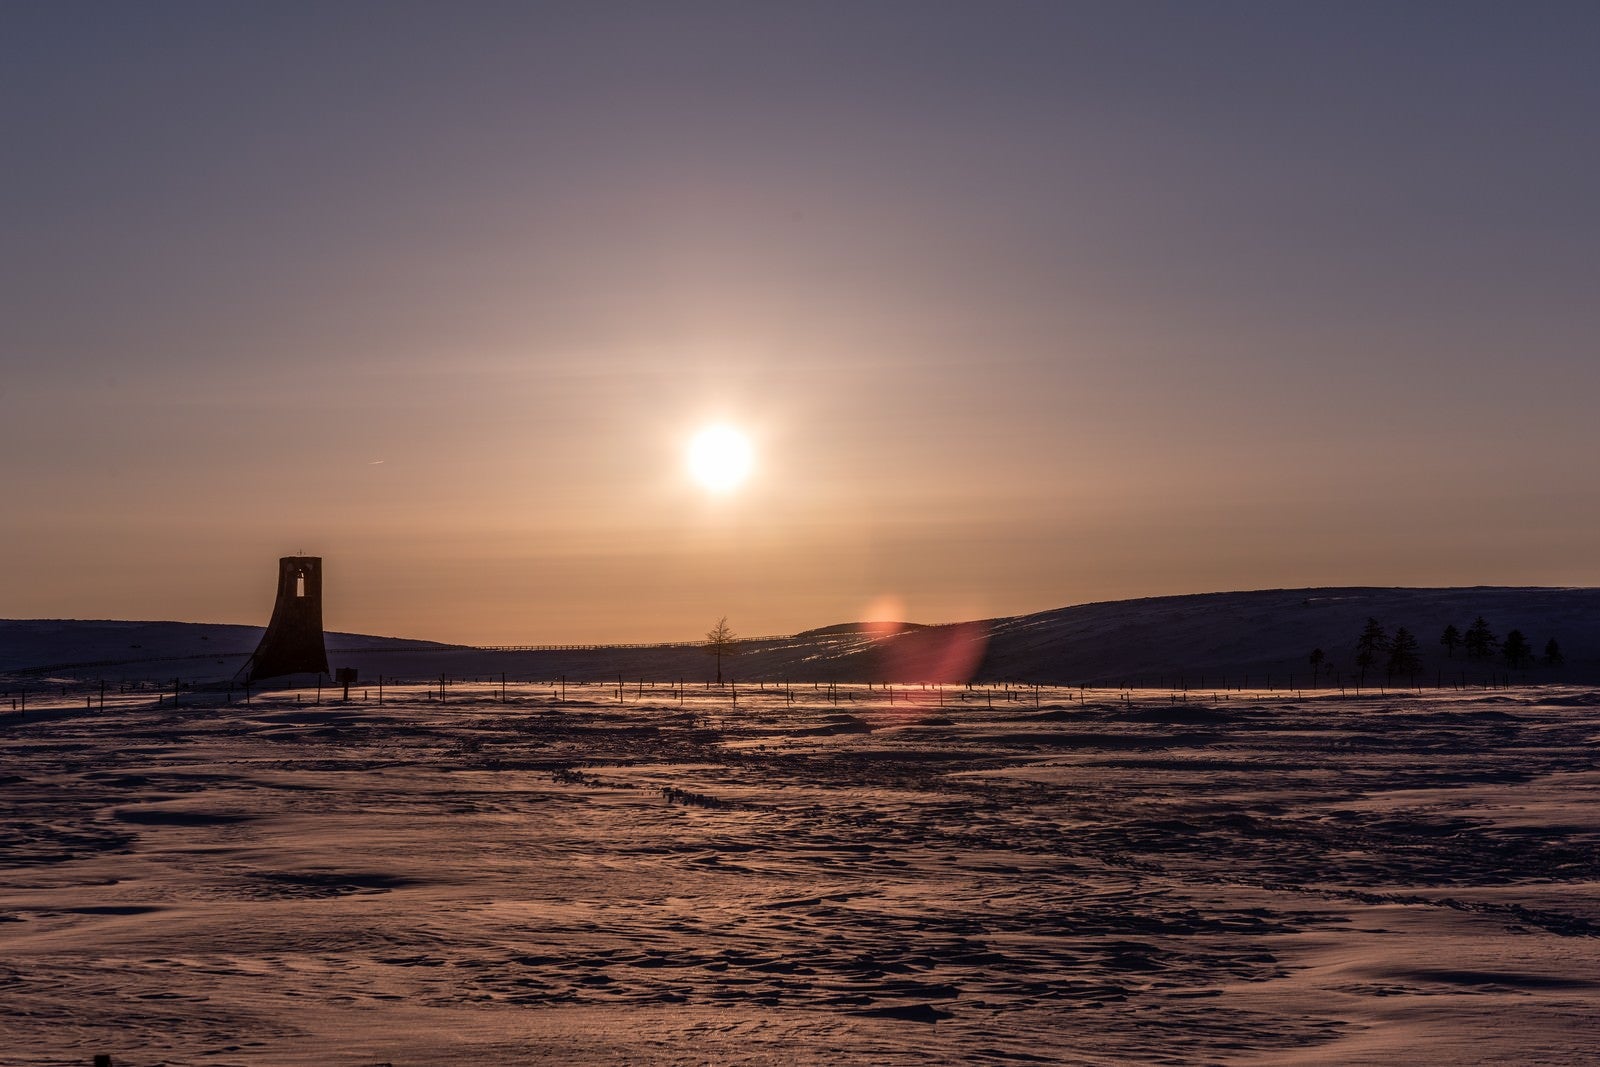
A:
1188, 639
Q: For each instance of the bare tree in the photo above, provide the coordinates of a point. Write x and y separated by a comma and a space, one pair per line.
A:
1316, 660
720, 641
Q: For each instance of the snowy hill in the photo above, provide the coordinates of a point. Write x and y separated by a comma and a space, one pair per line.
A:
77, 648
1260, 638
1272, 632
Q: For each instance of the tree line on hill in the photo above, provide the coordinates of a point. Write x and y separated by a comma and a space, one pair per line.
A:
1401, 654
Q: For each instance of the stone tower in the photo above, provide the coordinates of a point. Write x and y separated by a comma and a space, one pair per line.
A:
293, 641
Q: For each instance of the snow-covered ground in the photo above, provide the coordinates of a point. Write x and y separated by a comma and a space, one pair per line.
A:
984, 876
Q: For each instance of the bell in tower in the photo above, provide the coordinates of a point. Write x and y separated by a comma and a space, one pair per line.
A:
293, 641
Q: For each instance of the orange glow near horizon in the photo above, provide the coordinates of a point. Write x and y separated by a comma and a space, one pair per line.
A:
883, 610
997, 311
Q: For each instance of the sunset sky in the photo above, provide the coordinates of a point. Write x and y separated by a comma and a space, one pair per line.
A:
1020, 305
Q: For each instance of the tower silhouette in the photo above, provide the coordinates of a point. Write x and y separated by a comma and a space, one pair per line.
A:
293, 641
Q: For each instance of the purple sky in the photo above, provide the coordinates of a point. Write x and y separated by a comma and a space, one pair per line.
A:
1022, 304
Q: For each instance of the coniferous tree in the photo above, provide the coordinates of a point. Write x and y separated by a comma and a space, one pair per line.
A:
1517, 651
1403, 655
1552, 654
1451, 640
1371, 642
1480, 641
1315, 659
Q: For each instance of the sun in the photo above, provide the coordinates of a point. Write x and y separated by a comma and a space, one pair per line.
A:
720, 458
